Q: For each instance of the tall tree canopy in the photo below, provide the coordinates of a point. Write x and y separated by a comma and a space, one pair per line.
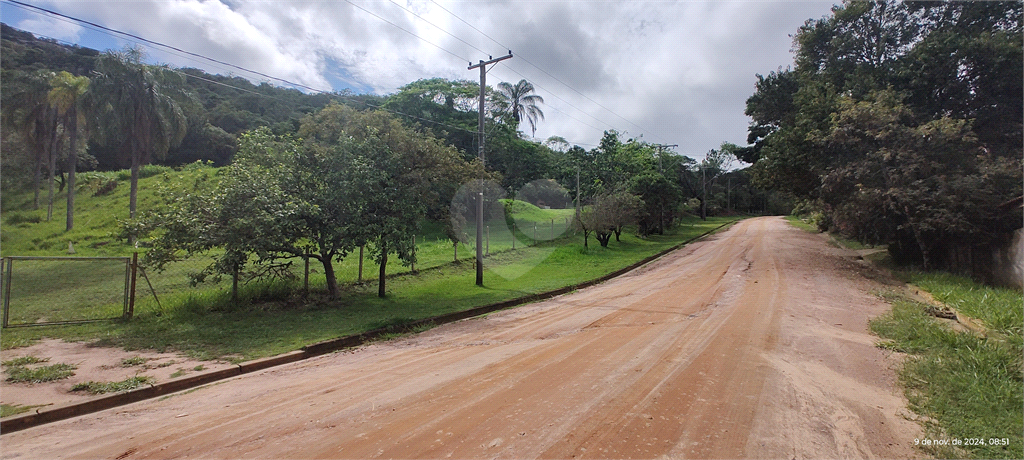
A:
902, 122
67, 96
142, 110
521, 103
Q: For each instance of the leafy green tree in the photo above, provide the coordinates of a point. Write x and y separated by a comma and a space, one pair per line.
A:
521, 103
67, 95
661, 198
397, 178
902, 122
142, 112
622, 208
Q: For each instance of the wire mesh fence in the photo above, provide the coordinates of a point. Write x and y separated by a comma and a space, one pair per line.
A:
54, 290
57, 290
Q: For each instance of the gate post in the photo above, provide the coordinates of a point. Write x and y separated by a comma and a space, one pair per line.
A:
131, 297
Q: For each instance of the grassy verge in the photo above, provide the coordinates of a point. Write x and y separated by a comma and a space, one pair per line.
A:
968, 388
98, 388
801, 224
7, 410
207, 324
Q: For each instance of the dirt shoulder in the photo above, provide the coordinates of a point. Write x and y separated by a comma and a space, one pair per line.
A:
752, 343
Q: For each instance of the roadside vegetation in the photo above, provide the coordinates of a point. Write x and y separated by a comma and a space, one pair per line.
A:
967, 386
269, 319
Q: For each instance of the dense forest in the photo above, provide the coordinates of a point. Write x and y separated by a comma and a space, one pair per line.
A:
291, 158
901, 124
218, 109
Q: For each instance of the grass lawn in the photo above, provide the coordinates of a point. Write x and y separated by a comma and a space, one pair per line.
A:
205, 323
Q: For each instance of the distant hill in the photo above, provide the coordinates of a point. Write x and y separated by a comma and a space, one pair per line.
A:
228, 105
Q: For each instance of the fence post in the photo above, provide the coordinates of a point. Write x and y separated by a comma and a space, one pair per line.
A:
360, 279
131, 298
305, 279
552, 228
513, 235
7, 292
488, 245
413, 264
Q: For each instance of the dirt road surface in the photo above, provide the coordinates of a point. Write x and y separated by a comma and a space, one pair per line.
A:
750, 344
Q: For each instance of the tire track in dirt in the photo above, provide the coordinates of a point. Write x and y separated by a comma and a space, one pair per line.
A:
726, 348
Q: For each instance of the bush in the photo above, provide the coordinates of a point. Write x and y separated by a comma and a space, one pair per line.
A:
144, 172
96, 182
16, 217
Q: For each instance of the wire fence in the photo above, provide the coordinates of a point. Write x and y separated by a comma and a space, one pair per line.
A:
60, 290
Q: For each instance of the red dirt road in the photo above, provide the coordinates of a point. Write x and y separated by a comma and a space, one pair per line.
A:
750, 344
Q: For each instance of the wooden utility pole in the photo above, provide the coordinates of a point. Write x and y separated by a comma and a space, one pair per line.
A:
661, 152
480, 196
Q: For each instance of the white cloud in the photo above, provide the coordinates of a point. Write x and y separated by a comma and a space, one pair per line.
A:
681, 71
52, 27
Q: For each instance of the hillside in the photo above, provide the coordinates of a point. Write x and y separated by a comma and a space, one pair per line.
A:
24, 231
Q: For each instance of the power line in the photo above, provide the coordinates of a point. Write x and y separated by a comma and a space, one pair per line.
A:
406, 31
438, 27
162, 45
542, 70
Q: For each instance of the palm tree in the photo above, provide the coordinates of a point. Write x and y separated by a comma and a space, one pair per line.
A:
522, 104
66, 96
142, 114
27, 109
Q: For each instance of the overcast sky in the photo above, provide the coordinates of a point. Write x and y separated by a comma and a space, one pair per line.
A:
675, 72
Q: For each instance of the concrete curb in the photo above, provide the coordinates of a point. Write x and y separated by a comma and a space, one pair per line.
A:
43, 416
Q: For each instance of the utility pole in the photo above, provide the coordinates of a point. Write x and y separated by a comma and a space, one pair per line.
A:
480, 197
660, 148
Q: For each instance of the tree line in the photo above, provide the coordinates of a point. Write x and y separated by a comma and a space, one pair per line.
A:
900, 124
315, 176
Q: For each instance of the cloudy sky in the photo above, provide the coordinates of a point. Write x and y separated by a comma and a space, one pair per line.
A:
673, 72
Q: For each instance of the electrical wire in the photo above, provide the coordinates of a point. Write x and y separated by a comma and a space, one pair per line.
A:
519, 55
188, 54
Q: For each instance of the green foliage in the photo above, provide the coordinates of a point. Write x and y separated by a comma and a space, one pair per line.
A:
265, 321
1000, 309
968, 386
98, 388
901, 122
133, 361
40, 374
24, 360
7, 410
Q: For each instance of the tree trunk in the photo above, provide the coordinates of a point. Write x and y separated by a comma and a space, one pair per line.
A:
383, 270
52, 170
603, 238
72, 165
332, 281
36, 182
234, 283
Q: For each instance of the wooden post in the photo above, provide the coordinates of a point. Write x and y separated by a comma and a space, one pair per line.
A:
413, 265
456, 246
488, 243
552, 228
305, 279
513, 236
535, 233
360, 280
7, 291
131, 296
